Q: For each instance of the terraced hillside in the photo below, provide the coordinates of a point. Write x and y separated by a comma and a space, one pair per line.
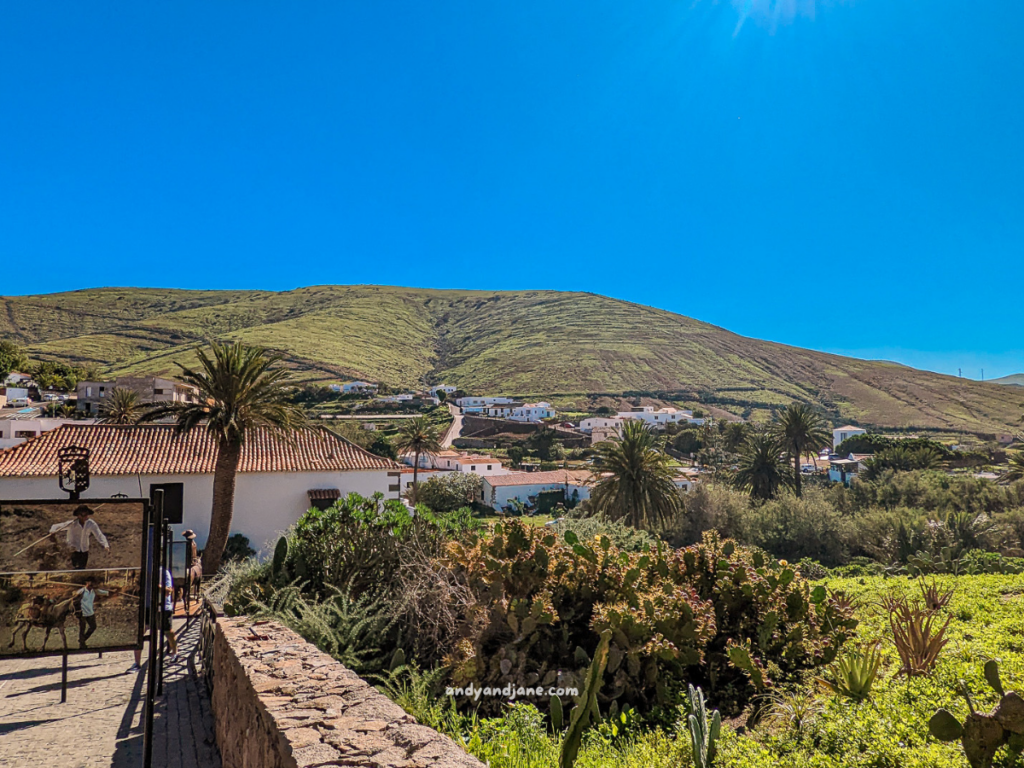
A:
523, 343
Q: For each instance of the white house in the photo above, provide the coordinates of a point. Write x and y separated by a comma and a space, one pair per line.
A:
446, 388
844, 433
477, 404
356, 387
17, 431
594, 422
16, 378
498, 491
532, 412
278, 478
453, 461
659, 418
503, 411
845, 471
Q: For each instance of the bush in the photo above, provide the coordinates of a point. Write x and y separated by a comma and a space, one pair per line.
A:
794, 527
623, 537
715, 614
237, 548
446, 493
709, 507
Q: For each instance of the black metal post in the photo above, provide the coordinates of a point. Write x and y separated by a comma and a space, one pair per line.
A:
64, 677
156, 525
165, 535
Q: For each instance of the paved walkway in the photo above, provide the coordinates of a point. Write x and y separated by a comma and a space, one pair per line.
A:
100, 726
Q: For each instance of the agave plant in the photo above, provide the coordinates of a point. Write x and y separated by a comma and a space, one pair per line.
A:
916, 633
856, 672
934, 599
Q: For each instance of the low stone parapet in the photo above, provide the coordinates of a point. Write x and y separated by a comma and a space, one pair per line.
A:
279, 702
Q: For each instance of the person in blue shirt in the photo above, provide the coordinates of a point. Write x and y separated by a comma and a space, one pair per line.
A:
87, 605
168, 613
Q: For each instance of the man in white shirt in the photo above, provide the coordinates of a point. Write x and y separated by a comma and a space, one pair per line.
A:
77, 533
87, 602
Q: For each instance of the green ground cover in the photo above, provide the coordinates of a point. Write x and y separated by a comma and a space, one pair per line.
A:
889, 730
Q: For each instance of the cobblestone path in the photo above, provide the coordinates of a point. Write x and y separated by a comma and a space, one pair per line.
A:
101, 723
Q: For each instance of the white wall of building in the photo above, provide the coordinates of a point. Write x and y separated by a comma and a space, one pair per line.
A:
533, 412
612, 422
266, 503
481, 401
844, 433
500, 497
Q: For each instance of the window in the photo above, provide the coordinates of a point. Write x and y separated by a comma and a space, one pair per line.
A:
88, 391
158, 391
488, 466
394, 488
24, 433
473, 468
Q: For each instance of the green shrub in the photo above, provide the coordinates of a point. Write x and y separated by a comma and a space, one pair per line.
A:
709, 507
446, 493
794, 527
715, 614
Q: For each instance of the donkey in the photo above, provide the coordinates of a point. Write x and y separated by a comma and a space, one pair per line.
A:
45, 615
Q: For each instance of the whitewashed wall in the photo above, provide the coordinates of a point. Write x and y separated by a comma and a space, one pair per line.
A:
266, 503
503, 494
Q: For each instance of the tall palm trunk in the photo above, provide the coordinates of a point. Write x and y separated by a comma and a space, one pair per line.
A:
797, 481
228, 454
415, 475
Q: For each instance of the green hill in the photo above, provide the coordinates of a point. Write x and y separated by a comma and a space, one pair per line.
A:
524, 343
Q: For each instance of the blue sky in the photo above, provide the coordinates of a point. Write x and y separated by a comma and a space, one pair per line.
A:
846, 176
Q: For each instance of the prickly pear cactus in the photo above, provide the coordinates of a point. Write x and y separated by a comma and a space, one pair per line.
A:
983, 734
280, 556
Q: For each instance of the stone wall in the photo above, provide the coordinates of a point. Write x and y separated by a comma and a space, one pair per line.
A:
278, 702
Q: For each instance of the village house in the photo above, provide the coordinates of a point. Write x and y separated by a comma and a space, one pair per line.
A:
594, 422
845, 471
840, 434
446, 388
279, 476
92, 395
659, 418
477, 404
498, 491
532, 412
355, 388
15, 431
454, 461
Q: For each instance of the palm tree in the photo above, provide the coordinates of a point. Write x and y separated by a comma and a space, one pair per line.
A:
1016, 468
801, 431
762, 468
240, 389
636, 483
122, 407
418, 436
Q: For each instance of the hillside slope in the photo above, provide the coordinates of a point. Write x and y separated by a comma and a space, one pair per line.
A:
1013, 380
524, 343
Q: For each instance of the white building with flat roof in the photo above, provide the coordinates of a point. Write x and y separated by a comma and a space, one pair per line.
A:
839, 434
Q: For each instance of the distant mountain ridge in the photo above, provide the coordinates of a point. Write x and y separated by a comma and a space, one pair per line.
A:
518, 342
1013, 380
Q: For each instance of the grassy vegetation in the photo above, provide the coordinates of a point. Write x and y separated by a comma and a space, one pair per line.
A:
808, 728
565, 346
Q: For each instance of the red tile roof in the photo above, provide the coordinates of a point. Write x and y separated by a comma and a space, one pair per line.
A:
155, 449
570, 476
